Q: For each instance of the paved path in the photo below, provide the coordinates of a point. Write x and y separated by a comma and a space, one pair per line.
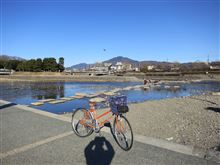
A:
31, 138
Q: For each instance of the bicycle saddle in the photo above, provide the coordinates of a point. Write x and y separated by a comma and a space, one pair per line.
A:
97, 100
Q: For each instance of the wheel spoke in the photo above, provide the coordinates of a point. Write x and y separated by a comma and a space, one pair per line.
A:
123, 133
79, 122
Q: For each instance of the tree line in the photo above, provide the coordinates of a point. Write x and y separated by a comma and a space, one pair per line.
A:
34, 65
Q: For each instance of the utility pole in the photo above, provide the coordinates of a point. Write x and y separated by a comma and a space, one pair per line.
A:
208, 59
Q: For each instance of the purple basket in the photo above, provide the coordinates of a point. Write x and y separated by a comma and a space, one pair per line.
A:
117, 101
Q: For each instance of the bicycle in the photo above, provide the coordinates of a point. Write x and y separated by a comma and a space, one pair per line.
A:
85, 122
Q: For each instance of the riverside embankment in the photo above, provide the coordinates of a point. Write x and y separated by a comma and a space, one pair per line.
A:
85, 77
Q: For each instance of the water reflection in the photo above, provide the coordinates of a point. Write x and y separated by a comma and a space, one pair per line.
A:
48, 91
28, 92
33, 91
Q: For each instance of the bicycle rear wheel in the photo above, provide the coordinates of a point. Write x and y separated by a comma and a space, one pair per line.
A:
80, 117
123, 133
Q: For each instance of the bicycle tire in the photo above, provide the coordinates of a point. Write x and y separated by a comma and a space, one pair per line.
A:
75, 122
120, 136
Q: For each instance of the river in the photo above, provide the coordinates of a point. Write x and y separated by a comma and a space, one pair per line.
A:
28, 92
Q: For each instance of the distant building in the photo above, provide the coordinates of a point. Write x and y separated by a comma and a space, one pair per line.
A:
75, 70
66, 71
107, 64
150, 67
119, 66
215, 66
113, 68
136, 69
174, 69
109, 68
6, 71
127, 67
159, 69
101, 68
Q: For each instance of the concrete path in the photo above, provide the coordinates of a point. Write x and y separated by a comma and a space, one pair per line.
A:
35, 137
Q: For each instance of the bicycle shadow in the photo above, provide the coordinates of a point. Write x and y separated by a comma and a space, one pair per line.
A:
7, 105
215, 109
99, 151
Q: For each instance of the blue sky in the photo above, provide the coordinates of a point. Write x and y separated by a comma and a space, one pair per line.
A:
142, 30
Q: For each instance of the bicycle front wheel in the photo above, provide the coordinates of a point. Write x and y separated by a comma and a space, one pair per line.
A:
80, 118
123, 133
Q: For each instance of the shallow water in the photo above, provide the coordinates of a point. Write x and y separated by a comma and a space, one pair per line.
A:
28, 92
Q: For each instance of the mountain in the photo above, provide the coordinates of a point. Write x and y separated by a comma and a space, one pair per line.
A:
7, 58
78, 66
121, 59
114, 60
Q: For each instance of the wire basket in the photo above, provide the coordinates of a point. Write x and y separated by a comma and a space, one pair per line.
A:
118, 104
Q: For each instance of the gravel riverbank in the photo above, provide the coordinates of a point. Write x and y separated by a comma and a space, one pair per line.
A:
67, 78
128, 77
191, 121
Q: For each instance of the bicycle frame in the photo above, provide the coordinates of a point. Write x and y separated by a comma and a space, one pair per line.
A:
90, 122
92, 112
105, 121
119, 126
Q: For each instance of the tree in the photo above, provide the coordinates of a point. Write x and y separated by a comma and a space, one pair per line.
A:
61, 61
3, 63
50, 64
9, 64
39, 65
31, 65
61, 64
34, 65
144, 68
20, 66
